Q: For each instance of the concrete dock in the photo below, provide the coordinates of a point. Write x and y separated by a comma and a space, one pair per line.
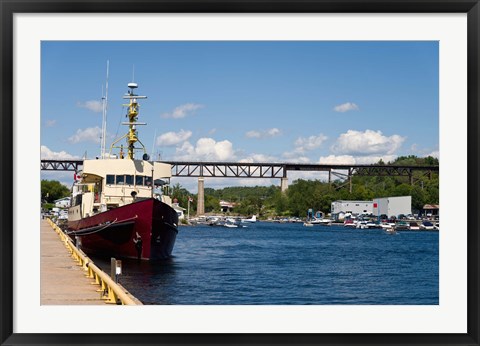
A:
62, 281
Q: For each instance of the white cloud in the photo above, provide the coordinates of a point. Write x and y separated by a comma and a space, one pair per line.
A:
182, 111
46, 153
366, 143
310, 143
93, 105
253, 158
296, 158
185, 152
345, 107
352, 160
264, 134
273, 132
212, 131
206, 149
424, 152
368, 160
340, 160
91, 134
173, 138
304, 144
253, 134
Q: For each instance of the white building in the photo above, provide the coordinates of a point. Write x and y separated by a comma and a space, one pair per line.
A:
62, 202
340, 208
392, 206
227, 206
180, 211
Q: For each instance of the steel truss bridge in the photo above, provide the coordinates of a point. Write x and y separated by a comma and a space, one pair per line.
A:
265, 170
61, 165
279, 170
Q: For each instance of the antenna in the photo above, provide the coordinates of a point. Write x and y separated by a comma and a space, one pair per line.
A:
153, 144
133, 74
101, 134
104, 118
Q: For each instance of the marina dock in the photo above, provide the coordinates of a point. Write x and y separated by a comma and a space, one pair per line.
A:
63, 280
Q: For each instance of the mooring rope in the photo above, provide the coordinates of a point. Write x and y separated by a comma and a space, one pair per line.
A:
103, 228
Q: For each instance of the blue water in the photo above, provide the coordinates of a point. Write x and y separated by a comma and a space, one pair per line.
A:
271, 263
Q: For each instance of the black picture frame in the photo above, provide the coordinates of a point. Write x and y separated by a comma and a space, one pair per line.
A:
10, 7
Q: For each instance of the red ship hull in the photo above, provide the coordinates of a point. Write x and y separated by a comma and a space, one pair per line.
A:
144, 230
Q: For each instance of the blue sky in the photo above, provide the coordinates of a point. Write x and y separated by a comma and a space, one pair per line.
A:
312, 101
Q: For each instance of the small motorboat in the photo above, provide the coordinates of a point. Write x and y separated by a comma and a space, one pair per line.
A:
390, 229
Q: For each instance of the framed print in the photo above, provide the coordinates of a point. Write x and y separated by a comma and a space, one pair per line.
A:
341, 112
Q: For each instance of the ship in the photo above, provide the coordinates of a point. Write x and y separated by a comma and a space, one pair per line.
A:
120, 205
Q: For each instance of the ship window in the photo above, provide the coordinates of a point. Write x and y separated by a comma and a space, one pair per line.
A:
110, 179
129, 179
120, 179
148, 181
139, 180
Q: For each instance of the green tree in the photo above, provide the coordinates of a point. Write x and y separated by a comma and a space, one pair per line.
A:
180, 194
212, 204
52, 190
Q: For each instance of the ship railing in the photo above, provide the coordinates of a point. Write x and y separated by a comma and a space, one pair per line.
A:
109, 290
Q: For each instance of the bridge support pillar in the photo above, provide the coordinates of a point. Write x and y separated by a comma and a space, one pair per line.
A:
284, 184
350, 180
201, 197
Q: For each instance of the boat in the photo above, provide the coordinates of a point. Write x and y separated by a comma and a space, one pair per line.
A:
119, 203
402, 225
362, 224
427, 225
321, 221
316, 219
350, 223
233, 223
390, 230
215, 221
250, 220
372, 224
414, 226
387, 225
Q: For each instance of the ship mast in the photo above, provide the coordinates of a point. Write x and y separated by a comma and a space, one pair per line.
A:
132, 134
